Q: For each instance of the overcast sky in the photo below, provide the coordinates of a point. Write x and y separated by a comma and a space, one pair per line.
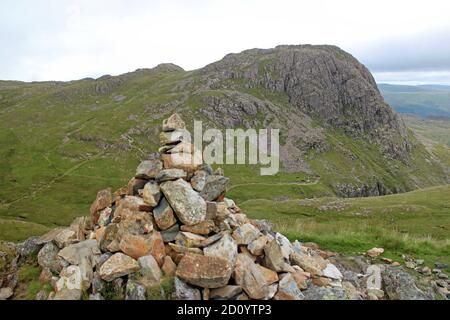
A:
399, 41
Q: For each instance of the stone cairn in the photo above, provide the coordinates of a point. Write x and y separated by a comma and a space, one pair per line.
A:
173, 221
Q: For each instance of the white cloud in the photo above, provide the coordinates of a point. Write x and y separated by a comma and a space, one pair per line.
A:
65, 40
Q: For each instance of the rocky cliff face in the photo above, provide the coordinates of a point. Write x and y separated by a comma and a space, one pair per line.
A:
324, 82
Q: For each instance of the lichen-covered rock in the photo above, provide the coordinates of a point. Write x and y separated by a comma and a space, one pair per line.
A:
311, 264
226, 247
288, 289
183, 291
148, 169
187, 204
256, 247
151, 193
322, 293
48, 258
227, 292
170, 174
118, 265
150, 270
134, 291
65, 237
273, 257
214, 186
135, 246
198, 180
203, 228
203, 271
185, 161
163, 215
399, 284
246, 234
190, 240
70, 278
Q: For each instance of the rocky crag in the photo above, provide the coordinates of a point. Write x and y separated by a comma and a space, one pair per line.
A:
171, 233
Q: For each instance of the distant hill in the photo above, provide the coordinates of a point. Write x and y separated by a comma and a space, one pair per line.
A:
422, 100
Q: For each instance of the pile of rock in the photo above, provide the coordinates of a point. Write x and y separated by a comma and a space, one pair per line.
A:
173, 221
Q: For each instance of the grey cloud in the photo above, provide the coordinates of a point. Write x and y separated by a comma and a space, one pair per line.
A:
428, 51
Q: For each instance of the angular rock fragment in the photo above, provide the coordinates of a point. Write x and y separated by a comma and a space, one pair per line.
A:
148, 169
249, 276
256, 247
174, 122
288, 289
169, 267
375, 252
190, 240
226, 247
202, 228
227, 292
373, 281
134, 291
68, 294
151, 193
103, 200
108, 239
198, 180
150, 270
246, 234
187, 204
273, 257
135, 246
203, 271
171, 174
48, 258
70, 278
163, 215
270, 276
332, 272
213, 187
170, 234
134, 185
117, 266
183, 291
65, 237
313, 265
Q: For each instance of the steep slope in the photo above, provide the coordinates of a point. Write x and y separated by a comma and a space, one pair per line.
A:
62, 141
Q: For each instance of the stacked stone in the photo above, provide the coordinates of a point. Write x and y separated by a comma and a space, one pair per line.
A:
173, 220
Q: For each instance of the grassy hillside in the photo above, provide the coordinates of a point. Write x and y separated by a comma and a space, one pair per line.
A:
433, 130
415, 223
